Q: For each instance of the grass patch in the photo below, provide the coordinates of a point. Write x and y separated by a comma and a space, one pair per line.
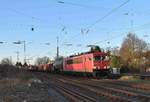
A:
134, 79
28, 77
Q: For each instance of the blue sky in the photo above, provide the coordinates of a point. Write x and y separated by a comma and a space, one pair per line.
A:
51, 19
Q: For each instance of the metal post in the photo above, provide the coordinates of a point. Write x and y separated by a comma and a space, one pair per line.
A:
10, 60
17, 56
24, 43
57, 46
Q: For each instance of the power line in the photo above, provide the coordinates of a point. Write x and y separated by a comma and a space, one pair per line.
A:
122, 34
119, 35
109, 39
102, 18
136, 28
145, 26
27, 15
109, 13
80, 5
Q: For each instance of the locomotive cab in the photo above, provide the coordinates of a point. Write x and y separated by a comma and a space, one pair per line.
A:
101, 63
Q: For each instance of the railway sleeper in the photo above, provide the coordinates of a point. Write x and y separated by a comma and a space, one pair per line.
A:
131, 90
104, 94
144, 98
77, 94
71, 98
137, 87
114, 98
118, 91
112, 91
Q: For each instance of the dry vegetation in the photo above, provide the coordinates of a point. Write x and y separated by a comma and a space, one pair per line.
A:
18, 85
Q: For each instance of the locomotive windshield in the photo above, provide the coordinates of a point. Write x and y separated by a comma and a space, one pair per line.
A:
101, 58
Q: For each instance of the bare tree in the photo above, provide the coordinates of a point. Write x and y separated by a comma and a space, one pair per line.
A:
43, 60
146, 61
131, 51
6, 61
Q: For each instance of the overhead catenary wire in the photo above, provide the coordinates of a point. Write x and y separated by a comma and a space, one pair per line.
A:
27, 15
103, 17
99, 42
119, 35
108, 14
145, 26
80, 5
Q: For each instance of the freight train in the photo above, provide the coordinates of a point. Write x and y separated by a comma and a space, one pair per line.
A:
92, 63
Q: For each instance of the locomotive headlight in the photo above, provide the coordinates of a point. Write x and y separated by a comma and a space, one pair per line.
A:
94, 67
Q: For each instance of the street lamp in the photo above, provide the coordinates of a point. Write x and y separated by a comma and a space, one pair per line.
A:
47, 43
1, 42
68, 44
61, 2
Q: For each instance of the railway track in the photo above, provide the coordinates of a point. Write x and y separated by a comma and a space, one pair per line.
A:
70, 93
127, 94
104, 92
111, 92
120, 86
73, 95
134, 85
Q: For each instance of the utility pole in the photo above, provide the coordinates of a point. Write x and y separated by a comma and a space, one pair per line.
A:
57, 46
17, 56
131, 14
24, 47
132, 22
24, 44
10, 60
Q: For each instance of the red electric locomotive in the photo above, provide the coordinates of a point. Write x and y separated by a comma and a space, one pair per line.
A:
95, 62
